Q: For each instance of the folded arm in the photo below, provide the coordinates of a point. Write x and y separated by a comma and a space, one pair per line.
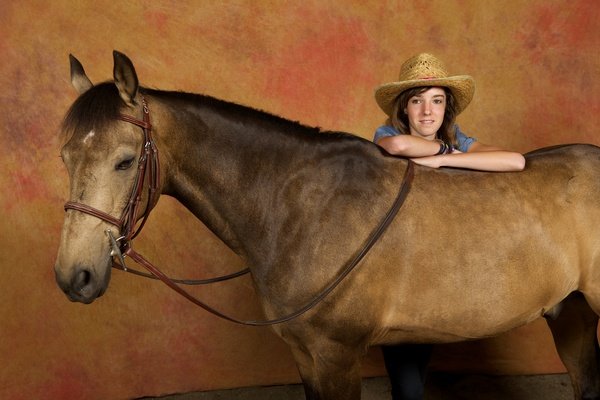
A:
409, 146
479, 157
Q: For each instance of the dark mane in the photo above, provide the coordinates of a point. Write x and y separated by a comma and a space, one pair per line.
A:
101, 105
247, 114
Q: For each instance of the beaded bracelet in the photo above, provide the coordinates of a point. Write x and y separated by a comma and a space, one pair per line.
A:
445, 148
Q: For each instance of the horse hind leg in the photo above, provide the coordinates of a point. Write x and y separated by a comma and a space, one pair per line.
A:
574, 329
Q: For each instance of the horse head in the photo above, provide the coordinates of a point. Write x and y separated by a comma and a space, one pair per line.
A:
102, 144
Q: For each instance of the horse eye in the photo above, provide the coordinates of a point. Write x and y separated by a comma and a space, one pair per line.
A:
126, 164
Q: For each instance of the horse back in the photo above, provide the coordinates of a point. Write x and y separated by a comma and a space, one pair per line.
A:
475, 253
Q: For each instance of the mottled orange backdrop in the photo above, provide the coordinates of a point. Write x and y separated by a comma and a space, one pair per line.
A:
536, 65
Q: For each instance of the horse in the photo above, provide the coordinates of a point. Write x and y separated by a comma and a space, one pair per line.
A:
468, 254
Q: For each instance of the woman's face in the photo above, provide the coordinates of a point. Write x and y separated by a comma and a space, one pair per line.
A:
426, 112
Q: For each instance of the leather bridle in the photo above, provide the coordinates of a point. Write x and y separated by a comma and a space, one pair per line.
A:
148, 163
122, 246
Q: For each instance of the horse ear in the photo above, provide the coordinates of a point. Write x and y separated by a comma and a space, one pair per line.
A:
79, 79
125, 78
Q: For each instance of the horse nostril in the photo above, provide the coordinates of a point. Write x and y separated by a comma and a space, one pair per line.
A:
81, 281
81, 285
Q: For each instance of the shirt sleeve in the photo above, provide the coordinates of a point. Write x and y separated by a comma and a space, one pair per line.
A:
384, 131
463, 141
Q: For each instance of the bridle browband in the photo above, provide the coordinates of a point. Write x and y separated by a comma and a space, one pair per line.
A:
121, 246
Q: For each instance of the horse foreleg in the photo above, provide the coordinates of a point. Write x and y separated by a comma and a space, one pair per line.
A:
331, 372
574, 332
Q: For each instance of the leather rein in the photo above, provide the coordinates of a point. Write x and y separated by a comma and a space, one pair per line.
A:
148, 164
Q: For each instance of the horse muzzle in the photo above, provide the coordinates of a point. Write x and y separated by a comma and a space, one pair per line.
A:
82, 284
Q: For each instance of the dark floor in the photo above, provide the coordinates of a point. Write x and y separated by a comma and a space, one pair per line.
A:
440, 386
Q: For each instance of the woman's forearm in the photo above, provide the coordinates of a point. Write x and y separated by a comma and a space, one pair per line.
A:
424, 152
409, 146
482, 161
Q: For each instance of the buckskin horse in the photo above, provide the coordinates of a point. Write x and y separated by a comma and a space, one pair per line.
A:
467, 255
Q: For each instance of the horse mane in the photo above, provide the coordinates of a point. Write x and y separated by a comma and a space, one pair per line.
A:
246, 113
101, 105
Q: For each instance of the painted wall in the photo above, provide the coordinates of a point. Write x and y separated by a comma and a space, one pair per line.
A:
536, 65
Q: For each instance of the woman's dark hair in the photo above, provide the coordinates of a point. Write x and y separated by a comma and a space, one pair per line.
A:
399, 119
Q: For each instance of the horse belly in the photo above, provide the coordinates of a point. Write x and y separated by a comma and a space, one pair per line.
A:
491, 281
443, 314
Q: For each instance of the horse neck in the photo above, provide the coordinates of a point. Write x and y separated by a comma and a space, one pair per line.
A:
223, 167
251, 177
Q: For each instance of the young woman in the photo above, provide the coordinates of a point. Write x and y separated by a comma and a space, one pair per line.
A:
422, 107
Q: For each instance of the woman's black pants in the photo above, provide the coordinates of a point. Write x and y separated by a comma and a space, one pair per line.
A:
406, 366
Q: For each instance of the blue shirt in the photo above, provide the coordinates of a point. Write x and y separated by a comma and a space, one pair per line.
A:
463, 142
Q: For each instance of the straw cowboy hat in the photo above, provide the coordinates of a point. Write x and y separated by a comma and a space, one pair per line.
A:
425, 70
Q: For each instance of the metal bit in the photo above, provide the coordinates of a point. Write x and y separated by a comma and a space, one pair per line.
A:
115, 250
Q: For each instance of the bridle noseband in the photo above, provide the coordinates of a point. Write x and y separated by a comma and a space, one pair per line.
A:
148, 163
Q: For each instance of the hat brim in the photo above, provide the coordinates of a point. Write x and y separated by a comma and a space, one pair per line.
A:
461, 86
